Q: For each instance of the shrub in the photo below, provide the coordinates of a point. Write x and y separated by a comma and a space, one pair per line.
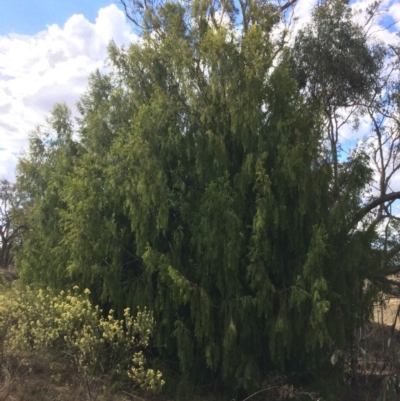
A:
68, 323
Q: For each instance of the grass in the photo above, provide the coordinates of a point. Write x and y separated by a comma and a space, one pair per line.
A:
386, 312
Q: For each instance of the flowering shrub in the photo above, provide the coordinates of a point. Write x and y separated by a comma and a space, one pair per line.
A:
68, 322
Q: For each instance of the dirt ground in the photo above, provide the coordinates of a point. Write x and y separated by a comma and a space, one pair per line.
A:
45, 378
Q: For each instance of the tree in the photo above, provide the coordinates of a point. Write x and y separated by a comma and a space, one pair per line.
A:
41, 174
336, 67
10, 227
349, 77
202, 186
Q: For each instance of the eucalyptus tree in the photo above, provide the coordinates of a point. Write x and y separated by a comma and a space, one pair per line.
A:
351, 77
336, 67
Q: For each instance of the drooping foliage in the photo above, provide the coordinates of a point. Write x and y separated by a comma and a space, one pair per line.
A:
199, 185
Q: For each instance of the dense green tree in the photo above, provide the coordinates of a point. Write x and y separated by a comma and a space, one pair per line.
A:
202, 186
41, 174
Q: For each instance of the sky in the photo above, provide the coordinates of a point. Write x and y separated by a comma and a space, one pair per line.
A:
48, 48
28, 17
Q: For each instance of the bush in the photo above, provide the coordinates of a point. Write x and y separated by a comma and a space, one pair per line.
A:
67, 322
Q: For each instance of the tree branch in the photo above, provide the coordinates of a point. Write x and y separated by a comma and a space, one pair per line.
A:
393, 251
129, 16
392, 270
287, 5
373, 204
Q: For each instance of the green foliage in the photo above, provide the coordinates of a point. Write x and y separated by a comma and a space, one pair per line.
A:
333, 57
41, 175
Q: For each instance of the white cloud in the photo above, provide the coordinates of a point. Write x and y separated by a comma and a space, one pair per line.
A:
8, 162
51, 66
302, 12
385, 25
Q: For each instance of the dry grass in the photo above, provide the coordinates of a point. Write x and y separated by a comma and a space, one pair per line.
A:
33, 377
386, 312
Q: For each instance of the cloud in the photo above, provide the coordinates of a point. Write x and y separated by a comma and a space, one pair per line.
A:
302, 12
8, 163
52, 66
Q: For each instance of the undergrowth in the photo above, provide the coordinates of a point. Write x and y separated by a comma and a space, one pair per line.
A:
39, 324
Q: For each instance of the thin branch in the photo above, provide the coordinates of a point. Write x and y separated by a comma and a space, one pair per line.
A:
286, 6
128, 14
260, 391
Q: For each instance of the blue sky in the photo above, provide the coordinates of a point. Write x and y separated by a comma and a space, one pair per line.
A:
29, 17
